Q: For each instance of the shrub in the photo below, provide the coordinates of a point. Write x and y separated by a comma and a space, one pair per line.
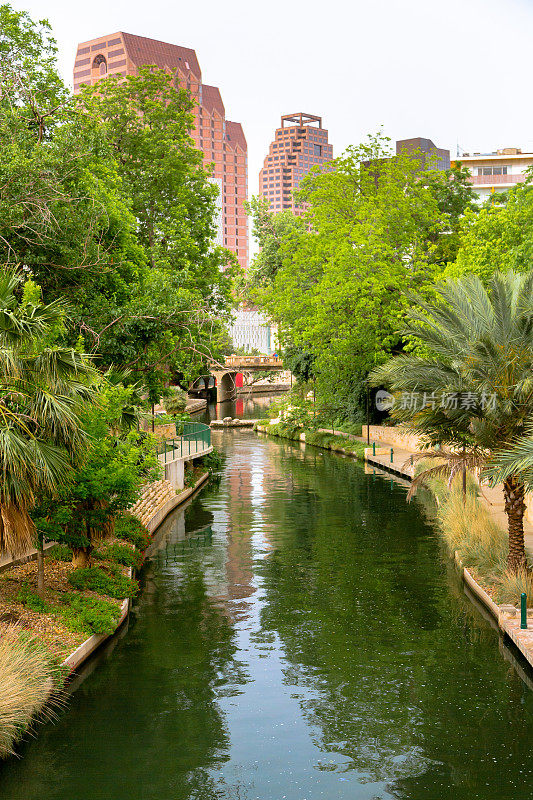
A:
121, 554
30, 599
110, 582
90, 615
132, 530
59, 552
213, 461
26, 680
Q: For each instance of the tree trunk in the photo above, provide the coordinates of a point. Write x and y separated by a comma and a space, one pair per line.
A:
40, 566
464, 473
513, 491
81, 556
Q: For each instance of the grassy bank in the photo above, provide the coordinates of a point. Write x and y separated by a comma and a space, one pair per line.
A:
338, 443
38, 633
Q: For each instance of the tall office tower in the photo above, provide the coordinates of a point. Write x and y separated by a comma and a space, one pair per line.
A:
299, 144
431, 156
222, 142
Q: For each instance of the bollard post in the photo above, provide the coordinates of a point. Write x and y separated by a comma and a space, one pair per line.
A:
391, 454
373, 448
523, 611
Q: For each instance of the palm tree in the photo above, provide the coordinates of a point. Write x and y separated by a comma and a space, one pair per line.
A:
470, 378
41, 387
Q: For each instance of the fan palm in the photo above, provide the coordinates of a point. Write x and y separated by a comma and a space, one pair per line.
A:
470, 381
41, 387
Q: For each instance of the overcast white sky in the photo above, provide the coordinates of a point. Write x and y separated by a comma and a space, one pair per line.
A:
456, 71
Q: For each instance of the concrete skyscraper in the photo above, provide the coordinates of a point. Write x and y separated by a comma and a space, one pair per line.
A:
299, 144
222, 142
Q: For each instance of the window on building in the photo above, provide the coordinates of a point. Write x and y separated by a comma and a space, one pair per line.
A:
100, 64
492, 170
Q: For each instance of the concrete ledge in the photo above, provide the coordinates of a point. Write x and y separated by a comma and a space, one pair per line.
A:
195, 404
481, 595
169, 505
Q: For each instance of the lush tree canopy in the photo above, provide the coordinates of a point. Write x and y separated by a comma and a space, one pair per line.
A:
372, 230
104, 200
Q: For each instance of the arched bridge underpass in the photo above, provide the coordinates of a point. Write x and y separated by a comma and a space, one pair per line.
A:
225, 376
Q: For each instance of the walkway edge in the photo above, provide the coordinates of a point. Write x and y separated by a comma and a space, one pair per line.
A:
88, 647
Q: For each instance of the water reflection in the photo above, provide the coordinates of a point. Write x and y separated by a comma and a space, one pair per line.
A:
300, 635
245, 406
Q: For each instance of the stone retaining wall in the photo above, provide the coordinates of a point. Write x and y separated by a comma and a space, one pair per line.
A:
393, 435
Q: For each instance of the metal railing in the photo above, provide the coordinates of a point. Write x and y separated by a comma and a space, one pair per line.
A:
194, 440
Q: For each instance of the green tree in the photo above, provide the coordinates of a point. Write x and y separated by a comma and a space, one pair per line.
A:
455, 198
364, 239
271, 232
475, 365
147, 121
107, 480
42, 388
107, 205
497, 238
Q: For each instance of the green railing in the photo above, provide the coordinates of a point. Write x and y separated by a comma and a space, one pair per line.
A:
195, 438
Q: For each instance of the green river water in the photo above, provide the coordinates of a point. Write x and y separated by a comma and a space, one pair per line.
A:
301, 635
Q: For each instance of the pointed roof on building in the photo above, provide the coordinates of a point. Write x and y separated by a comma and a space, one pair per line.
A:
143, 50
235, 134
212, 99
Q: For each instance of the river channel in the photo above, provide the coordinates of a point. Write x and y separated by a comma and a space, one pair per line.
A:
300, 635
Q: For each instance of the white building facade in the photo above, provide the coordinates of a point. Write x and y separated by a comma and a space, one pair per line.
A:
251, 330
496, 172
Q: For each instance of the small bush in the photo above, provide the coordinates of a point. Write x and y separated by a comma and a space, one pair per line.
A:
110, 582
213, 461
31, 600
59, 552
121, 554
89, 615
129, 528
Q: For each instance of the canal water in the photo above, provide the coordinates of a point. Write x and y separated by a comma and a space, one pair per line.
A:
300, 635
245, 406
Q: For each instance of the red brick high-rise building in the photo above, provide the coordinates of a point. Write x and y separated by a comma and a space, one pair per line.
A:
222, 142
299, 144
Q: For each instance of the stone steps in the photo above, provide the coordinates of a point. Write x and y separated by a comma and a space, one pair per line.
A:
153, 496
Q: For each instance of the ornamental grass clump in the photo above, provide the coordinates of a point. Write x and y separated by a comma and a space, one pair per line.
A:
26, 682
509, 586
468, 529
